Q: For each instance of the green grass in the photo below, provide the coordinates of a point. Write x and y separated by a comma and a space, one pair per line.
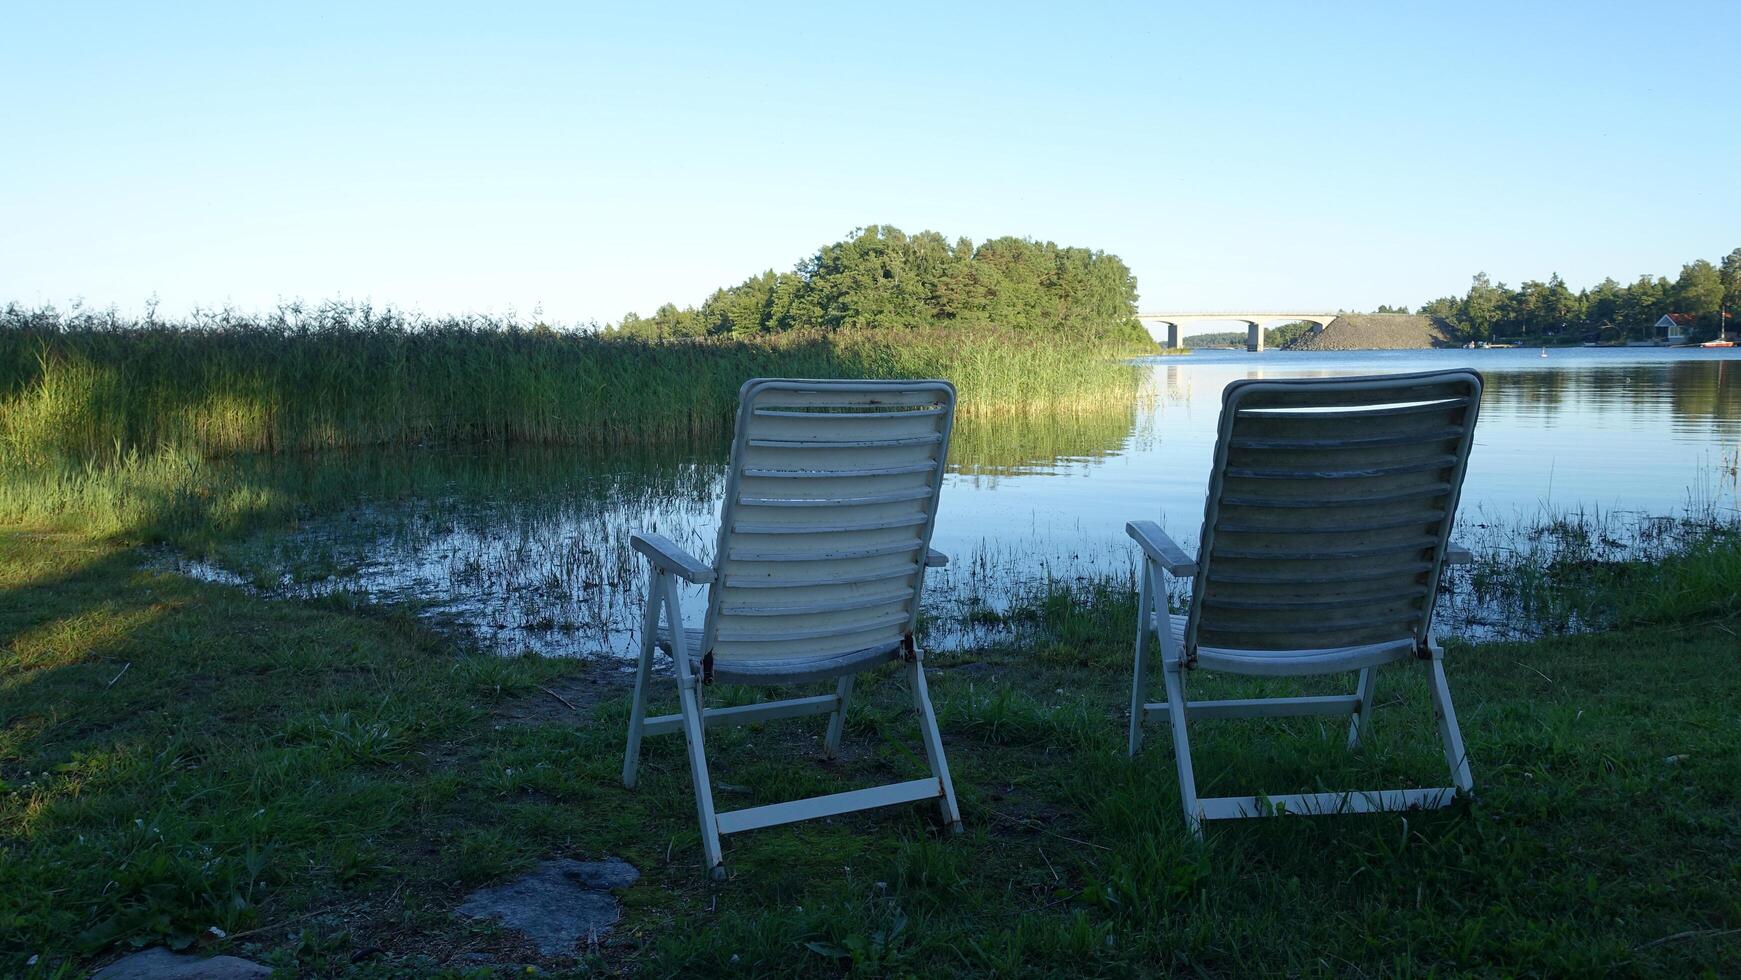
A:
323, 782
1577, 571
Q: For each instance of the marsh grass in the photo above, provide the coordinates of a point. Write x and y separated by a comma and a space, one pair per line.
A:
85, 388
206, 429
1590, 570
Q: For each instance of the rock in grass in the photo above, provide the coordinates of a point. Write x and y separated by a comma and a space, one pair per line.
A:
158, 963
557, 904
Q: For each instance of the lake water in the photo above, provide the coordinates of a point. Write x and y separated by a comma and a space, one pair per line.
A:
1618, 430
529, 549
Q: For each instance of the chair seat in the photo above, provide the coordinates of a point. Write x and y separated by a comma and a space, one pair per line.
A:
1303, 662
785, 670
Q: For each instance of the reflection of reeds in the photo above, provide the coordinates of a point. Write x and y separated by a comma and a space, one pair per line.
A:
1013, 444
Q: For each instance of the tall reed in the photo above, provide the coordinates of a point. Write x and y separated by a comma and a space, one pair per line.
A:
81, 388
128, 427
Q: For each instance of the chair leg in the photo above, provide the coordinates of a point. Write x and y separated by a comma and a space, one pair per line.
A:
1449, 733
933, 744
1139, 682
1367, 687
689, 704
837, 719
691, 707
1182, 747
638, 709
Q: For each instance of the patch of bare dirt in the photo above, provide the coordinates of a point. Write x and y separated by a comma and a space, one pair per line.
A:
566, 700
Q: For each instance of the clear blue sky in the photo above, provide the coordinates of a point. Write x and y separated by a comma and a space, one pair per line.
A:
592, 161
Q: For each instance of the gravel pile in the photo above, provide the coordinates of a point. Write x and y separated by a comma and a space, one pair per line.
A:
1378, 331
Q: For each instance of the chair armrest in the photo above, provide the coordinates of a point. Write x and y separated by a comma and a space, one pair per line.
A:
668, 556
1456, 554
935, 558
1161, 549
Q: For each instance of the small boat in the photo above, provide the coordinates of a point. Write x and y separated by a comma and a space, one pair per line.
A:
1719, 342
1544, 352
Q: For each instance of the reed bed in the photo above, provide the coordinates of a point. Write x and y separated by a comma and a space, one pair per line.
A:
199, 429
85, 388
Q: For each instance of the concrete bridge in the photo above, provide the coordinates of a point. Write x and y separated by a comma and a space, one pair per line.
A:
1254, 324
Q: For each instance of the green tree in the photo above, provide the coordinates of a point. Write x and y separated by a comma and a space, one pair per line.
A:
1699, 291
1284, 335
879, 277
1602, 303
1560, 308
1525, 310
743, 309
1731, 276
668, 321
1447, 308
1643, 303
1481, 306
634, 326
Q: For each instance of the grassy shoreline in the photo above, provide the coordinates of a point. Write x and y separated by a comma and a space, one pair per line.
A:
324, 782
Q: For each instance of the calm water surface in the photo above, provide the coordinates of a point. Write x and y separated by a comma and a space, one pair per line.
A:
529, 550
1645, 431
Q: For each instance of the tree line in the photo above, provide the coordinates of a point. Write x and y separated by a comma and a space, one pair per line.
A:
1541, 310
1280, 335
881, 277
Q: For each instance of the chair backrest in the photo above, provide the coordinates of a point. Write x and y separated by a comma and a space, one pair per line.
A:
1329, 509
829, 506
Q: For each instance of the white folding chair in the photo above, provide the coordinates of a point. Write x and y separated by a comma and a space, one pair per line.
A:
824, 539
1325, 534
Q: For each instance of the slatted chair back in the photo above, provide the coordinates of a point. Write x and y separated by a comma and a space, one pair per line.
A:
1329, 510
830, 503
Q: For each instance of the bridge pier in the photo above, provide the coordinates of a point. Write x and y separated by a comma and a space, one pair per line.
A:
1253, 320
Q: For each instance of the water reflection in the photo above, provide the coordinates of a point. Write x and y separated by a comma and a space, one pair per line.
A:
1627, 429
528, 549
